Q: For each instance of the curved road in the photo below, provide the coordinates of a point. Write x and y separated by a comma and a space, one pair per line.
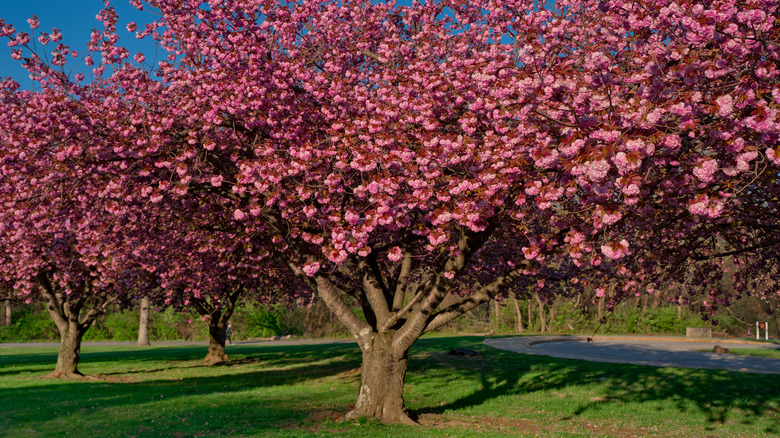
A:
662, 352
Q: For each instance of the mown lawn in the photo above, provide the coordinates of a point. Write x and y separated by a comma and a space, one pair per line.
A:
303, 390
772, 354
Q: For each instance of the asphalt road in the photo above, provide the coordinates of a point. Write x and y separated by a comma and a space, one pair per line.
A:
662, 352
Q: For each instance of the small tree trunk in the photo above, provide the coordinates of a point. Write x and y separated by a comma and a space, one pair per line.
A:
496, 318
657, 297
8, 313
70, 350
542, 320
530, 322
217, 338
601, 306
679, 308
520, 327
553, 308
382, 381
143, 326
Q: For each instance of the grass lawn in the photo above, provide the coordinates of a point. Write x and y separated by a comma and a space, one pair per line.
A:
772, 354
302, 390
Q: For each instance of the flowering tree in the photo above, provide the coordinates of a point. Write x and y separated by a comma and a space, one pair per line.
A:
209, 270
394, 155
58, 243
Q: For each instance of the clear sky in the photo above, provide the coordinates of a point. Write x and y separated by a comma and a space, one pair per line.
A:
76, 19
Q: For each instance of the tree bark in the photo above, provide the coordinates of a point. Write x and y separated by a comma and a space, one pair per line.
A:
542, 320
217, 338
679, 308
382, 380
601, 305
218, 315
520, 327
70, 350
8, 314
530, 321
496, 320
66, 311
143, 326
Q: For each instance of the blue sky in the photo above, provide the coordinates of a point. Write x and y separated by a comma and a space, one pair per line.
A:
76, 19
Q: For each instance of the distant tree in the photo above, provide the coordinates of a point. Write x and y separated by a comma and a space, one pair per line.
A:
143, 322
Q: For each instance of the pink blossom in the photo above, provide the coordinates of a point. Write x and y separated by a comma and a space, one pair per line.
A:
600, 292
773, 156
311, 268
703, 205
615, 250
394, 254
239, 215
725, 105
597, 170
530, 252
706, 170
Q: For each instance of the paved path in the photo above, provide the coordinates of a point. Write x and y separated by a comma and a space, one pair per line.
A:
662, 352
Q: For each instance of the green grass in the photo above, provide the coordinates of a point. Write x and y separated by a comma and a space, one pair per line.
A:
303, 390
772, 354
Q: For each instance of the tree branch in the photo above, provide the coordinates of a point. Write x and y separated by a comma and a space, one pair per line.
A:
483, 295
402, 282
329, 294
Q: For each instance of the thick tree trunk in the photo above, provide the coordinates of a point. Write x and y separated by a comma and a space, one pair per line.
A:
8, 314
143, 323
519, 315
70, 350
382, 381
217, 338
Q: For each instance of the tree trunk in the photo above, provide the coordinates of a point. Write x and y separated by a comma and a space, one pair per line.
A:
218, 317
70, 350
8, 313
530, 322
519, 315
552, 313
601, 306
542, 320
496, 319
143, 326
217, 338
382, 381
679, 308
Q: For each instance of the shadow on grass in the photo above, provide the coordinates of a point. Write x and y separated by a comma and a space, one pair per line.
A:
716, 394
255, 368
